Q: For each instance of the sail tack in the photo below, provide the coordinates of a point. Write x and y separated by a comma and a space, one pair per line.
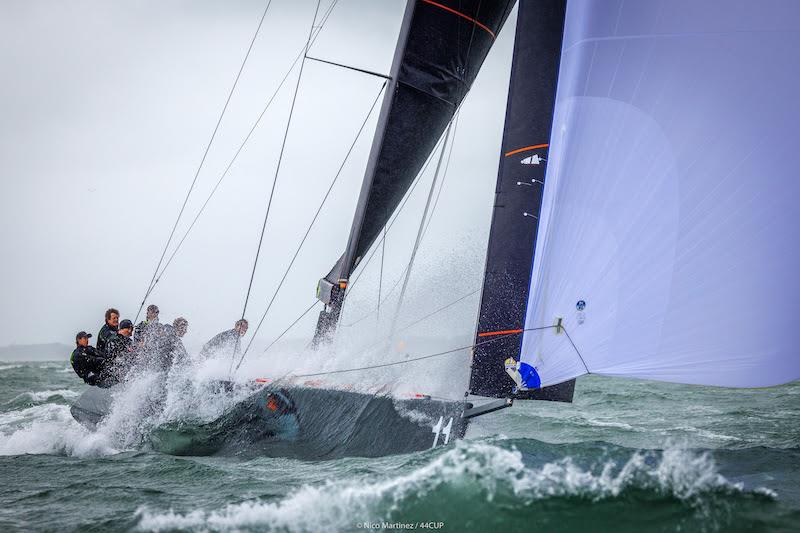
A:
668, 238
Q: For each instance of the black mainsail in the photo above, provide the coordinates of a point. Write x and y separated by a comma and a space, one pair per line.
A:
441, 47
518, 200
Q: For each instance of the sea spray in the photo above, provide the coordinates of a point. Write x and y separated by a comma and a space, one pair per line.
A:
49, 429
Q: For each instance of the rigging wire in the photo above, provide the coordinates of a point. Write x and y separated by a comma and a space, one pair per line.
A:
383, 300
417, 321
420, 231
444, 176
280, 160
412, 360
380, 276
154, 280
298, 319
313, 221
577, 351
244, 142
363, 264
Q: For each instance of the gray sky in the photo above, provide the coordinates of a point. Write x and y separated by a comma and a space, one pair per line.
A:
107, 108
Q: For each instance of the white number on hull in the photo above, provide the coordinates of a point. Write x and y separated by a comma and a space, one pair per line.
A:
437, 430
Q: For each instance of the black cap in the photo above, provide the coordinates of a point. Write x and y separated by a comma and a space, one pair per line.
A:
83, 334
125, 324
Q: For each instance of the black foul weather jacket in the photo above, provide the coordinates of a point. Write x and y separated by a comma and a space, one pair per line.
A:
88, 364
106, 332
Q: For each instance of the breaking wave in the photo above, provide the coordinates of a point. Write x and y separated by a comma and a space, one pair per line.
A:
451, 485
45, 396
49, 429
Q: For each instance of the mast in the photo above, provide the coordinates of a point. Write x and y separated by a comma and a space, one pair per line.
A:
518, 200
440, 49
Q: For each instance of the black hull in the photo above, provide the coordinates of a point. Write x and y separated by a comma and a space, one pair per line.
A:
92, 406
563, 392
304, 423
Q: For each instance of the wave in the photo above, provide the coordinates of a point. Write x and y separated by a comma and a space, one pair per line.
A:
456, 485
9, 367
45, 395
49, 429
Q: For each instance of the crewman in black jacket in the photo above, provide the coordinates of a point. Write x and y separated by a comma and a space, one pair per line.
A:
85, 360
173, 349
119, 350
108, 329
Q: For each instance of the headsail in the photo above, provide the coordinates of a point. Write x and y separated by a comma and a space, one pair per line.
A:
441, 48
667, 244
518, 195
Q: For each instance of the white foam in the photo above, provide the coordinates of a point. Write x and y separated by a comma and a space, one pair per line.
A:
149, 398
609, 424
489, 469
9, 367
41, 396
704, 433
48, 429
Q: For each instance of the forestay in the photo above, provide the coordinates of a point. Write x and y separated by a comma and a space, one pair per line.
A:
668, 237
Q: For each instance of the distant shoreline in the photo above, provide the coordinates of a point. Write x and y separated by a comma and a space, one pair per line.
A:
53, 351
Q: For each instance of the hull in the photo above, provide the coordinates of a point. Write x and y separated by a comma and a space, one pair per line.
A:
304, 423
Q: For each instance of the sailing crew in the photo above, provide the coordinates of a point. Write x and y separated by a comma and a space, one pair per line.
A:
108, 329
181, 326
85, 360
226, 343
173, 350
148, 328
119, 352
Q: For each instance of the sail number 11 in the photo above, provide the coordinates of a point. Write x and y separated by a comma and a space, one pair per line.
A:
438, 430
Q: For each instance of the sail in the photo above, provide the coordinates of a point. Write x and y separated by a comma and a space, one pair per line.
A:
518, 195
667, 243
441, 47
445, 46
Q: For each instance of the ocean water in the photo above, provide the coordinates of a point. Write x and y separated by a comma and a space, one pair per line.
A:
626, 456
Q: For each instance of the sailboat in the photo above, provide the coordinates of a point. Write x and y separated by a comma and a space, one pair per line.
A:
644, 221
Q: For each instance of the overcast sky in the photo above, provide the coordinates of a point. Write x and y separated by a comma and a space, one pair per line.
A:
107, 108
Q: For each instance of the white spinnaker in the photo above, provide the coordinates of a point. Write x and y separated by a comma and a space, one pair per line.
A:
671, 199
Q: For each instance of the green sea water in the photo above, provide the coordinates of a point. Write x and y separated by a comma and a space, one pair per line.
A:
626, 456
